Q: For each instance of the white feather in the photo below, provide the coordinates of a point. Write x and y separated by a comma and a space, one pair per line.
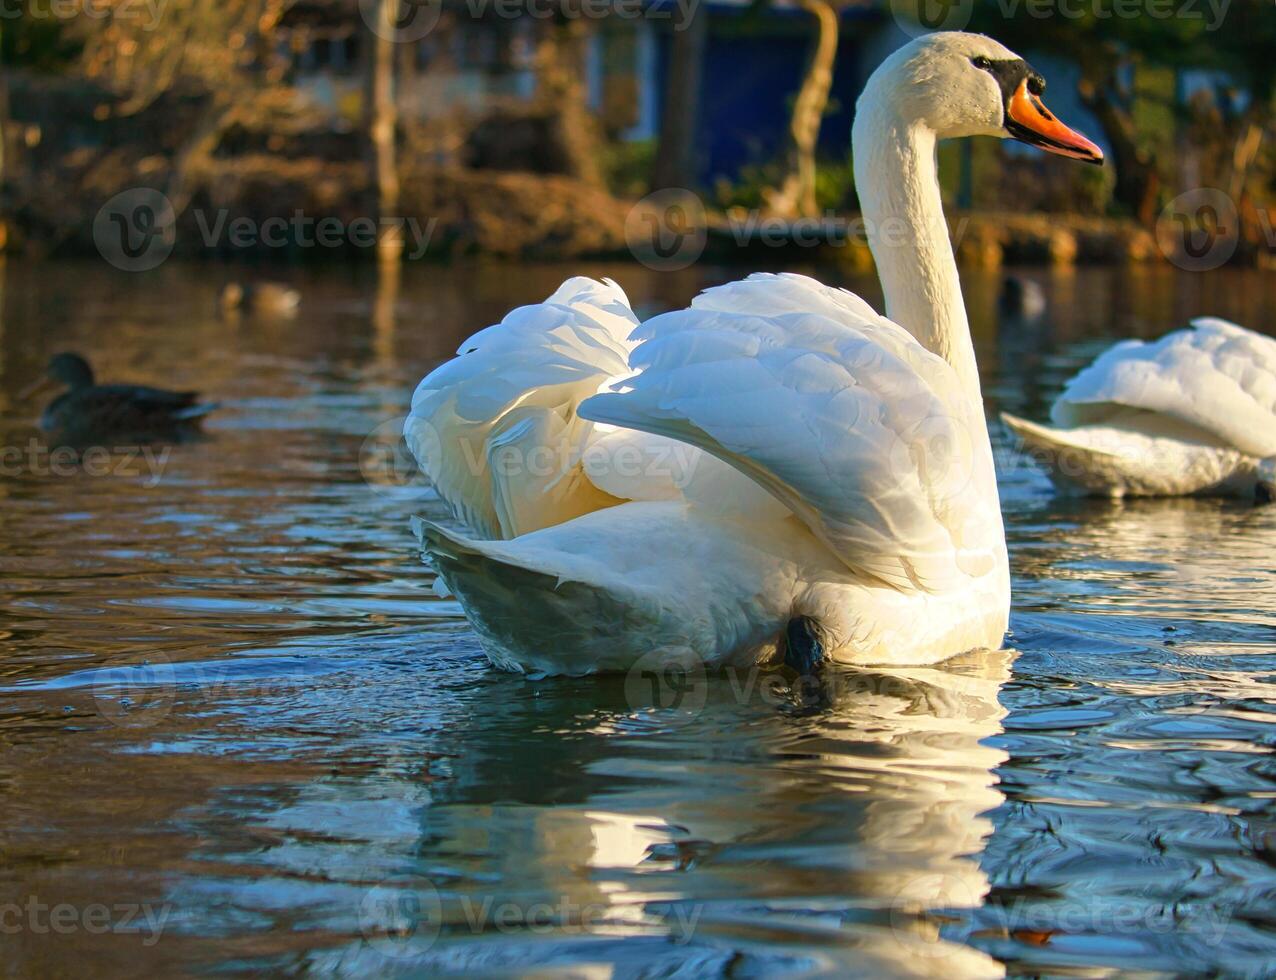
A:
839, 413
1191, 413
1215, 376
513, 389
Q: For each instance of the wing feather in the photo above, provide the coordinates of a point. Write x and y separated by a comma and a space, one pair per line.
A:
512, 392
836, 411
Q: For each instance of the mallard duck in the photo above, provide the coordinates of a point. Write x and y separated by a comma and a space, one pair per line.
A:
92, 413
260, 297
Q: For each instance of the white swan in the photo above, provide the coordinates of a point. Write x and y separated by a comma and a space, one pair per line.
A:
842, 503
1192, 413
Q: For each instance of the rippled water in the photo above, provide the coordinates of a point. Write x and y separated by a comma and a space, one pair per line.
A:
239, 733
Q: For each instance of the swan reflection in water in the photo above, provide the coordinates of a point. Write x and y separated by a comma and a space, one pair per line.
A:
742, 835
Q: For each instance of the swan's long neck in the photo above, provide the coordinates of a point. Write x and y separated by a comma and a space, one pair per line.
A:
898, 185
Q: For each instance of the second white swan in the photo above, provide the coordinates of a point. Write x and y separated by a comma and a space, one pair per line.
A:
1192, 414
777, 471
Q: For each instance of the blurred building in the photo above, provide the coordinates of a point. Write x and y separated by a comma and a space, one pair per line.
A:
476, 60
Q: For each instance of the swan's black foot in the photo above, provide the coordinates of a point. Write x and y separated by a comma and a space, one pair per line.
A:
803, 651
1265, 493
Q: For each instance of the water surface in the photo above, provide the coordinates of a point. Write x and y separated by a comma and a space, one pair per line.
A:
239, 733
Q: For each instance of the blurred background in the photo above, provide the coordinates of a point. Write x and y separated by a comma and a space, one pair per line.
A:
240, 733
527, 128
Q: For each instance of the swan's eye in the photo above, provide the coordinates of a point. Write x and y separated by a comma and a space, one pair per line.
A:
981, 62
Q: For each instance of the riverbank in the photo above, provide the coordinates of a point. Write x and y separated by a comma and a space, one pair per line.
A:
301, 209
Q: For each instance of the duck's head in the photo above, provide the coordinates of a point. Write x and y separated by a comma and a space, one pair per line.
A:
957, 84
67, 370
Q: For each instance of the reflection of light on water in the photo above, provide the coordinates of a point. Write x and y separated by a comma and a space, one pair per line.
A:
334, 734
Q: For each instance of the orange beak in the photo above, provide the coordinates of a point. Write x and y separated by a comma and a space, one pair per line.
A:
1028, 120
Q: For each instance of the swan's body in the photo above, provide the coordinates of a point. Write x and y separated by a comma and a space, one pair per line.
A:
778, 452
1192, 413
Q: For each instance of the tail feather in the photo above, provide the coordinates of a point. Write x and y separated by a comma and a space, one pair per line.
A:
1137, 454
196, 411
1046, 439
1071, 462
526, 614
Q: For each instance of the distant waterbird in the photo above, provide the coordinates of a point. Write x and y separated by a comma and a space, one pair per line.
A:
260, 297
89, 413
1021, 297
1191, 414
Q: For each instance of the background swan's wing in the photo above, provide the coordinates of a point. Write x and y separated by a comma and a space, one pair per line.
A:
496, 429
836, 411
1214, 376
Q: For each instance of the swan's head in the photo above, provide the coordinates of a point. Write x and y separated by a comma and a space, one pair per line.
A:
958, 84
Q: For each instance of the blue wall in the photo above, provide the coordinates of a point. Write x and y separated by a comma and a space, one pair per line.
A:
750, 81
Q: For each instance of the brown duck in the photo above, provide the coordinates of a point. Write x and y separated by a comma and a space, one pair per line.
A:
88, 413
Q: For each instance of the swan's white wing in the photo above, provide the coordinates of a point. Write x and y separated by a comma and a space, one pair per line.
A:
1215, 376
836, 411
496, 429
